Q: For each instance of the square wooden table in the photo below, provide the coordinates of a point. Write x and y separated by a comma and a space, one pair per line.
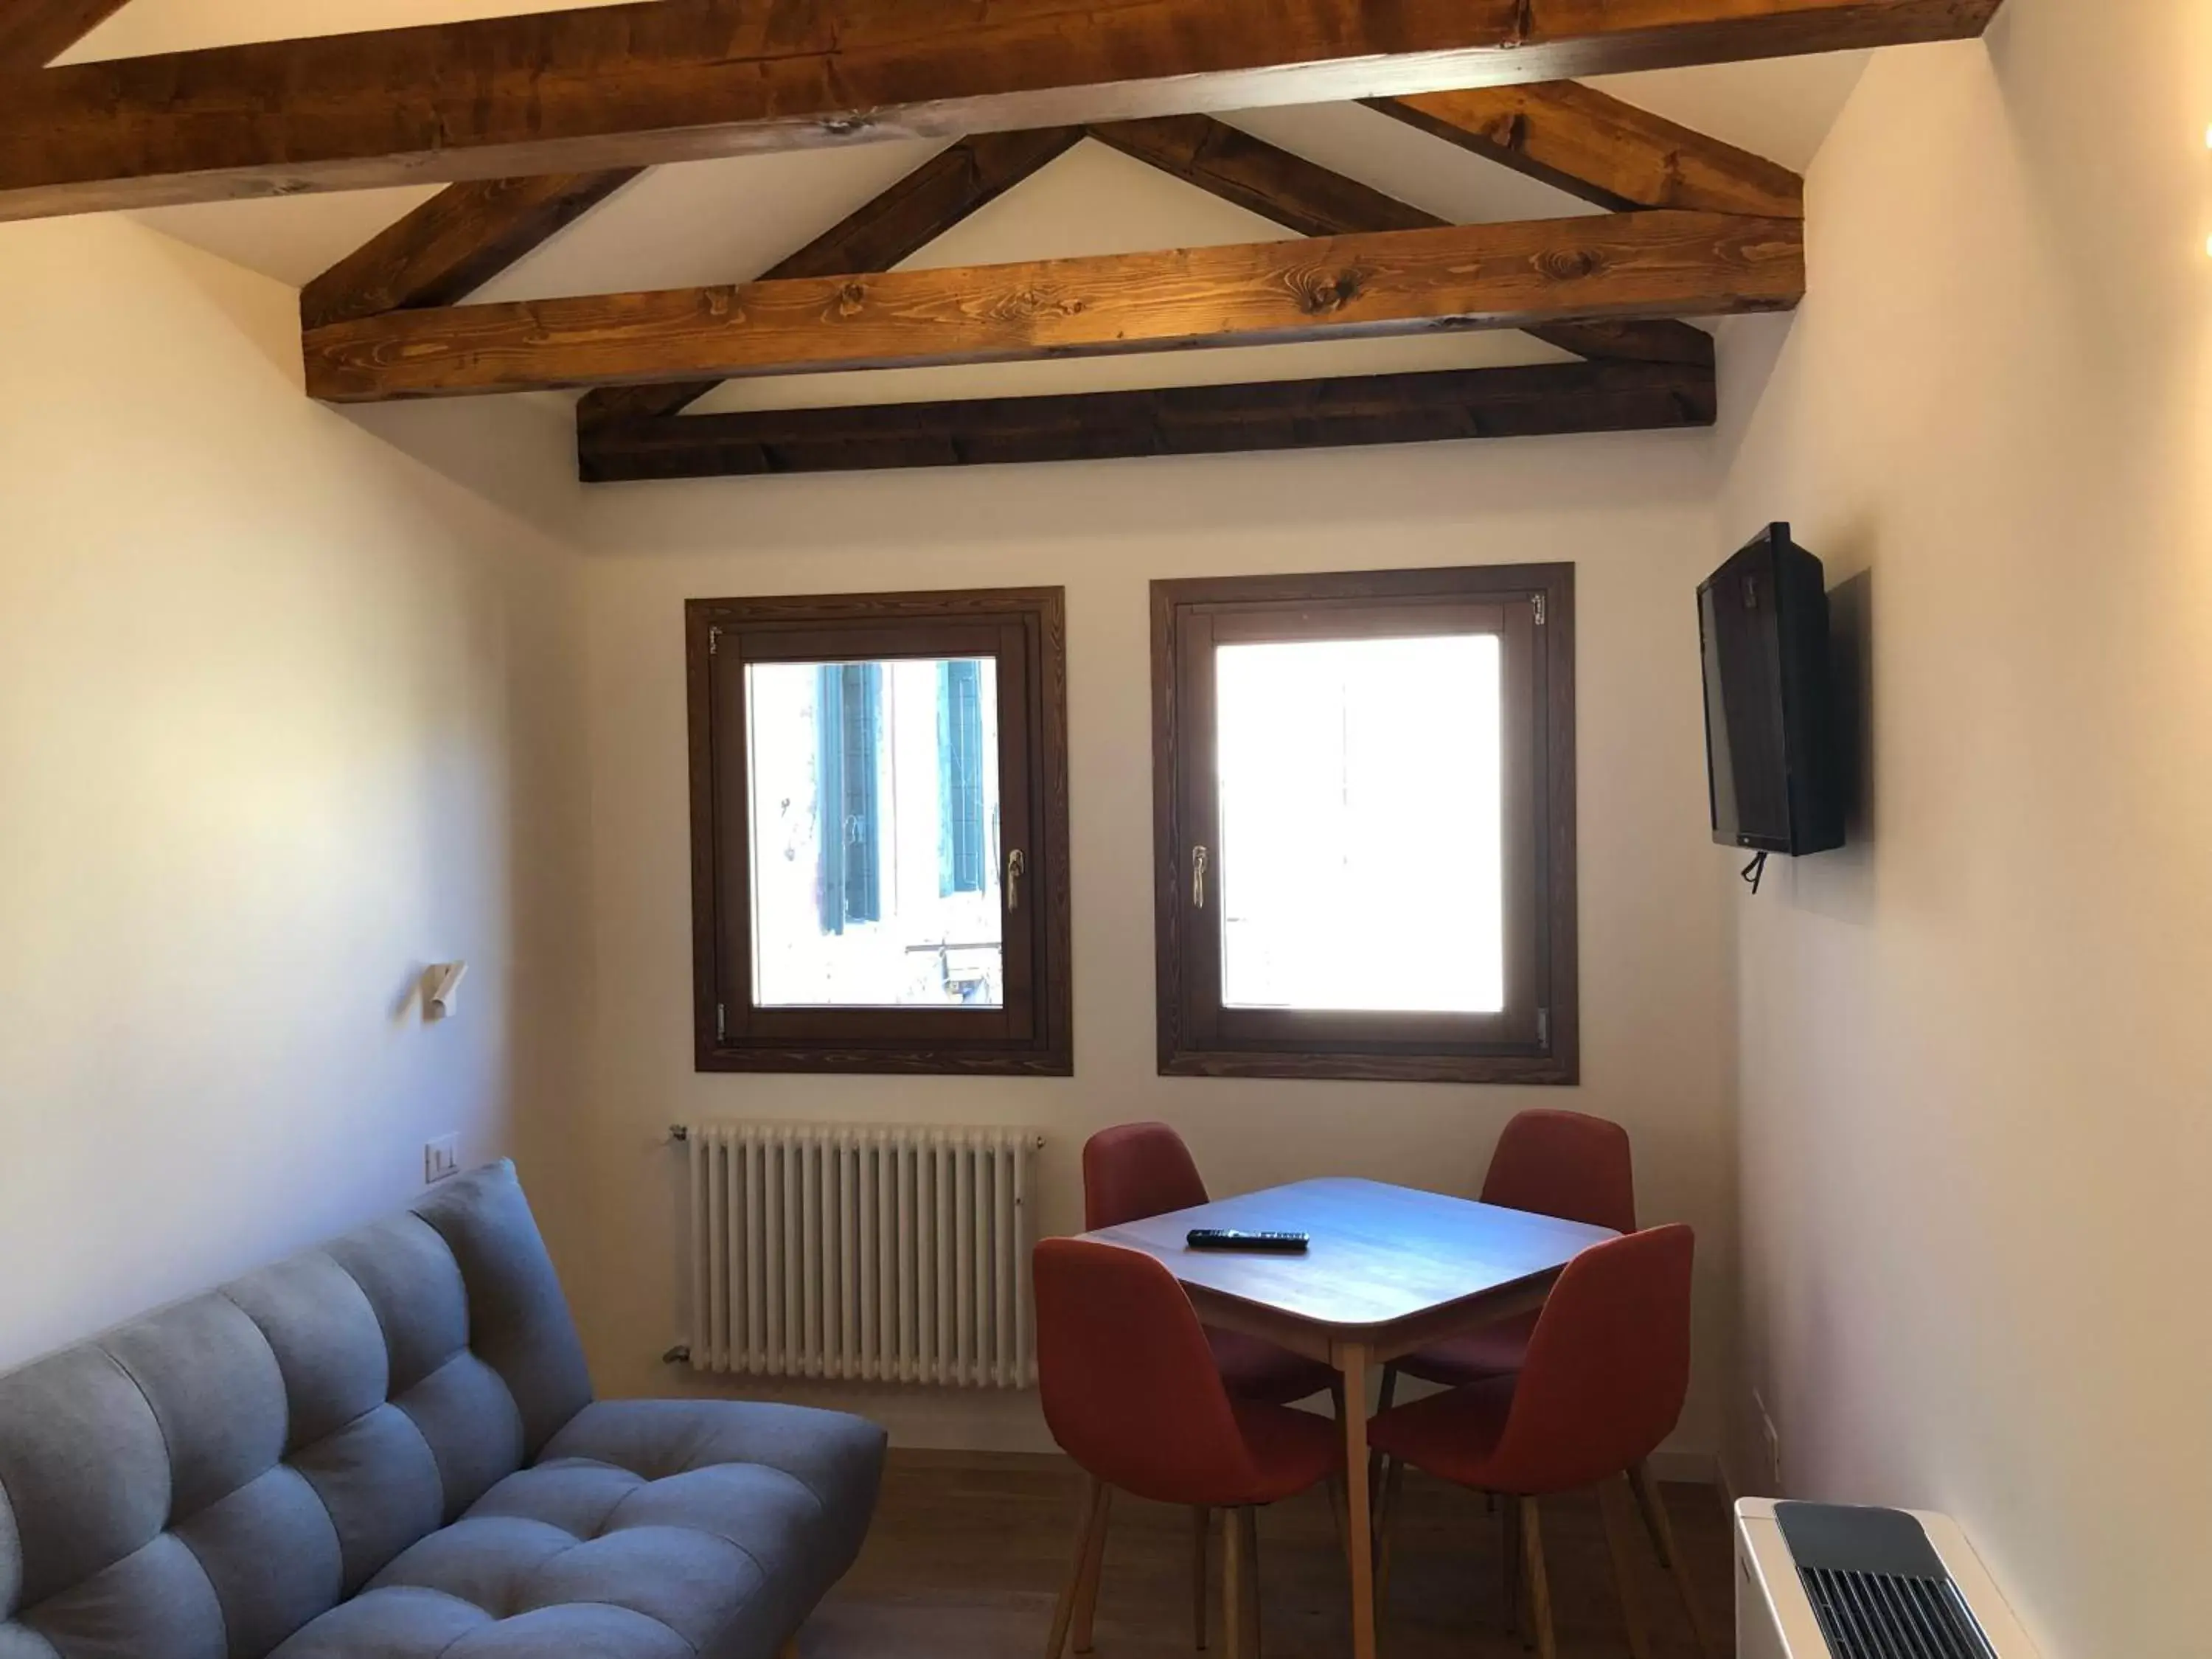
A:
1391, 1269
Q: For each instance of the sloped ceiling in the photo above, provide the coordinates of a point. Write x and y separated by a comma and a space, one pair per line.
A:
726, 220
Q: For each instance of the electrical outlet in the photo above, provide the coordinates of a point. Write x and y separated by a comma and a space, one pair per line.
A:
1773, 1438
440, 1157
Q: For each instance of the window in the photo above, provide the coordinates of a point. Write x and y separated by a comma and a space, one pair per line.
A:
879, 833
1364, 825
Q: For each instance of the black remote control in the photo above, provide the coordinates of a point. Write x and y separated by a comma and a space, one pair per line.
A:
1231, 1238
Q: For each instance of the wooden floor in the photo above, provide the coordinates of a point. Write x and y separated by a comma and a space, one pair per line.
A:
968, 1551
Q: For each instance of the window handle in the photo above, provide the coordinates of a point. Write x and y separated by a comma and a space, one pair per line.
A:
1016, 864
1198, 876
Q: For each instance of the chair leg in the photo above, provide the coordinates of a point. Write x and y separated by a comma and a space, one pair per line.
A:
1094, 1521
1201, 1524
1375, 1459
1663, 1540
1516, 1605
1540, 1587
1249, 1519
1611, 1495
1386, 1512
1233, 1570
1655, 1518
1086, 1592
1339, 1500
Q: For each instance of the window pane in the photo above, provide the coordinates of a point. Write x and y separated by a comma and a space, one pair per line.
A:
1360, 865
874, 813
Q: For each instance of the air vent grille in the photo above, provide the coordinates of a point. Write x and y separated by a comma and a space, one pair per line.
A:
1887, 1615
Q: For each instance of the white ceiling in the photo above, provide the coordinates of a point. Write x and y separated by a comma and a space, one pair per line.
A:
144, 26
726, 220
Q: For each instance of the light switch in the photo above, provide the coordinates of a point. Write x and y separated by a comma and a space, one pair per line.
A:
440, 1157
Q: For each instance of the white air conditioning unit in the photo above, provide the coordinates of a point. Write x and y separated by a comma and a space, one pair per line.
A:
1826, 1581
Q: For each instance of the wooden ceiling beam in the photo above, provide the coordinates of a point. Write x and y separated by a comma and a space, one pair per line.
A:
900, 220
1620, 266
453, 243
1282, 187
34, 33
1209, 420
608, 87
1593, 145
1657, 341
1316, 201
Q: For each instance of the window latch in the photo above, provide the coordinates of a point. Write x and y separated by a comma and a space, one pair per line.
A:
1198, 877
1016, 863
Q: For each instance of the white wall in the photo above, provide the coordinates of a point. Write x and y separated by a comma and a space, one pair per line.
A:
1632, 512
294, 702
284, 716
1977, 1155
290, 704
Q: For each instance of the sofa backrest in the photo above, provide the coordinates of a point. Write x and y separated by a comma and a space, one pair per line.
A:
201, 1483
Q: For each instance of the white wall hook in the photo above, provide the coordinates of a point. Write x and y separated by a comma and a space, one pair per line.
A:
442, 984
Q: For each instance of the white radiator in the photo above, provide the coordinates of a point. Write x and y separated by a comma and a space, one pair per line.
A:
873, 1253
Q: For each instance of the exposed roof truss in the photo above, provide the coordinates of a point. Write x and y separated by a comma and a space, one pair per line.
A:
587, 99
626, 86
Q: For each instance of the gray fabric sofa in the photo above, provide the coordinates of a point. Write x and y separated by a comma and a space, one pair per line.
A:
388, 1449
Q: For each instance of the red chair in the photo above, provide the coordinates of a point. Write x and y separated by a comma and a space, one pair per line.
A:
1141, 1169
1132, 1393
1567, 1164
1601, 1386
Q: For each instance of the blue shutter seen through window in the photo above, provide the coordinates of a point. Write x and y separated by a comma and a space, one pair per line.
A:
849, 732
960, 763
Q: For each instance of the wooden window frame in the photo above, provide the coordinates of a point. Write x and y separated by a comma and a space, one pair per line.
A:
1537, 1039
1031, 1035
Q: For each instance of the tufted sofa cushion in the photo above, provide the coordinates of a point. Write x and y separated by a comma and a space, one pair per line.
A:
387, 1447
650, 1527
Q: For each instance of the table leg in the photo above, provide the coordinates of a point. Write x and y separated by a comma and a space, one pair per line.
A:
1350, 1358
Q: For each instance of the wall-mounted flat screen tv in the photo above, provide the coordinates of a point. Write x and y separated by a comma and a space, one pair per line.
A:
1772, 764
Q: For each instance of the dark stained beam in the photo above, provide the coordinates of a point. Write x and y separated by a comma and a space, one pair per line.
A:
624, 86
1630, 265
902, 221
453, 244
1666, 342
34, 33
1593, 145
1381, 409
1314, 201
